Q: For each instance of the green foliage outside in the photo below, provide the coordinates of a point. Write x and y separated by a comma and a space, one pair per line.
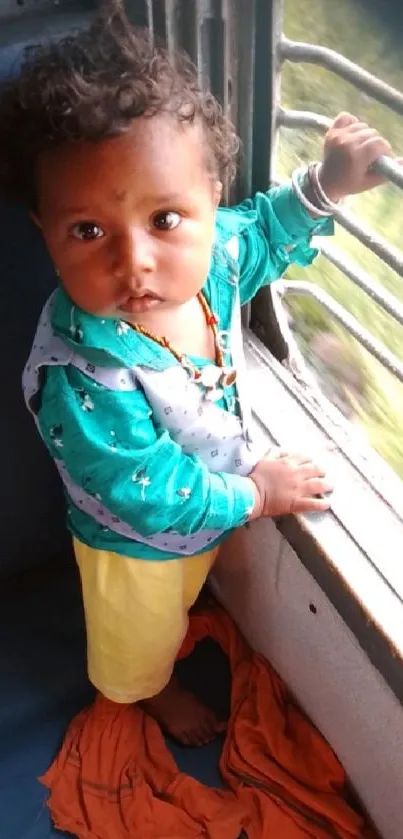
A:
355, 29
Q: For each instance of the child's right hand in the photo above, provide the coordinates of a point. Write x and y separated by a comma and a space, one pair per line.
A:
288, 483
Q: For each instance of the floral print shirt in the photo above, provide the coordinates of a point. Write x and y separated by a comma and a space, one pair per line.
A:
108, 440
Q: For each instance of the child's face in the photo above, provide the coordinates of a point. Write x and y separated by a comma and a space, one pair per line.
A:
129, 221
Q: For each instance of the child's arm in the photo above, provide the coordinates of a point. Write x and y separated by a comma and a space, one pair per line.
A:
139, 473
277, 227
142, 476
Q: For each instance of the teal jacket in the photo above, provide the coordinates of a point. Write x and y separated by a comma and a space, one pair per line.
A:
108, 441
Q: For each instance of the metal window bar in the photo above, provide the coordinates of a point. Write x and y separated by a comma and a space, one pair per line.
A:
301, 53
375, 347
288, 50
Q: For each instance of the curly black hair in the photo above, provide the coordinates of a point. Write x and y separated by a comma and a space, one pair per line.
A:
90, 86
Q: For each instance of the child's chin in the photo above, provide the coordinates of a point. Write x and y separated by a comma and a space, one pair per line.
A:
110, 314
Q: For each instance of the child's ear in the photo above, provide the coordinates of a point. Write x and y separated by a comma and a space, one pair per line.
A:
218, 188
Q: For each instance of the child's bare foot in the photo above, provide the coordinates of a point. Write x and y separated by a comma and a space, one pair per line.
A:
183, 717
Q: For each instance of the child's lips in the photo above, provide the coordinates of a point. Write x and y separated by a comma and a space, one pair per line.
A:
140, 303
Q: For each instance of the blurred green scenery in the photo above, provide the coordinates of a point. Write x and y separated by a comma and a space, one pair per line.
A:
367, 33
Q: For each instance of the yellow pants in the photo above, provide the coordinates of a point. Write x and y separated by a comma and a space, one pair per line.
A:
136, 614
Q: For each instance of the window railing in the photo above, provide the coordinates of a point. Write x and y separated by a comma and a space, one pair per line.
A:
296, 52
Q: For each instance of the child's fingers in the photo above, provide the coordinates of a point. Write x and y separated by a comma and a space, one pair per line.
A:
313, 505
305, 466
316, 486
344, 119
311, 470
375, 146
297, 458
363, 137
363, 132
367, 152
356, 127
366, 133
370, 150
284, 454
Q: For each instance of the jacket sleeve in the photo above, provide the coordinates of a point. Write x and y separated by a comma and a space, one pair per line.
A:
111, 448
275, 232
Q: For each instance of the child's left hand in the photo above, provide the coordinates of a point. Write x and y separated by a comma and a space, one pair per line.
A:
350, 149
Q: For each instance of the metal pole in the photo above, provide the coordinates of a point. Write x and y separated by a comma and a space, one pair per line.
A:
267, 89
371, 344
299, 53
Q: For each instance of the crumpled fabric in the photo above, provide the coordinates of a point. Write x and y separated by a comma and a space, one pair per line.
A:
115, 777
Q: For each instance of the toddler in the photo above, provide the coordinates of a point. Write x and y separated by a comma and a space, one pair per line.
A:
136, 378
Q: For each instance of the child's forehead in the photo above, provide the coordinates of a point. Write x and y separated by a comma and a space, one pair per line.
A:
156, 154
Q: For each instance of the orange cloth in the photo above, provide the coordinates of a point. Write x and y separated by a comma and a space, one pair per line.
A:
116, 779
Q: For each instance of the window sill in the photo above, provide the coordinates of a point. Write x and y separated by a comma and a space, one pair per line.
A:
355, 552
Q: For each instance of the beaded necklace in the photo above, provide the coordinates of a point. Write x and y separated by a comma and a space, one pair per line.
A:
213, 378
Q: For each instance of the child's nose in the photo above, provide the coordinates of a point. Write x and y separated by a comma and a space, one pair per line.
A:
134, 255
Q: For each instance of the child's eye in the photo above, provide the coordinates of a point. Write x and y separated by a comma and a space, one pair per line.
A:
166, 220
87, 231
